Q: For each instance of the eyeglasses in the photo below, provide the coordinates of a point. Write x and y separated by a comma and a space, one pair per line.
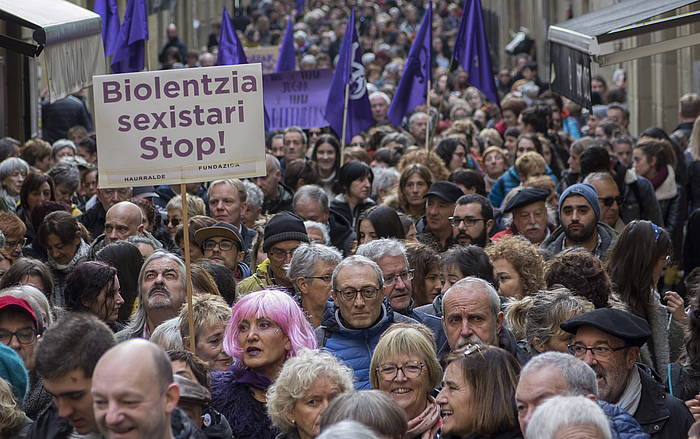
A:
174, 221
281, 254
599, 352
455, 221
327, 278
350, 294
24, 336
13, 244
389, 372
404, 275
224, 245
608, 201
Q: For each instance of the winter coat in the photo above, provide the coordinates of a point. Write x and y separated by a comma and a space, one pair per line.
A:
693, 186
49, 425
510, 434
60, 274
554, 243
281, 202
247, 416
622, 424
508, 181
666, 342
341, 232
671, 198
94, 219
434, 308
506, 341
183, 427
661, 415
639, 199
354, 347
259, 280
340, 205
215, 425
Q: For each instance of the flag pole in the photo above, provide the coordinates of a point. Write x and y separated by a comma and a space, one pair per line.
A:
188, 271
345, 123
430, 117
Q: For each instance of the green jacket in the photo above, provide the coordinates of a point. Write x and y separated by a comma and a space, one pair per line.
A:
257, 281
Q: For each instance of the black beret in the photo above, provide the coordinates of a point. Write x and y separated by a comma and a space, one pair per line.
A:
446, 190
632, 329
526, 196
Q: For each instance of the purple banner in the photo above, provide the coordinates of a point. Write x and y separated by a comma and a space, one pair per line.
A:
297, 98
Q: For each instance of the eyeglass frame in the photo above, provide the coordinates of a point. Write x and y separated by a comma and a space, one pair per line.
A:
608, 201
15, 334
607, 349
343, 294
327, 278
406, 276
455, 221
419, 364
12, 244
276, 253
218, 244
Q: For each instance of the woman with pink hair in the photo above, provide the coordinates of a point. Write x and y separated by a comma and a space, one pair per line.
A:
267, 327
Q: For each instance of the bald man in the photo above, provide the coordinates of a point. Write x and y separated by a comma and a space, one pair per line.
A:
134, 394
123, 220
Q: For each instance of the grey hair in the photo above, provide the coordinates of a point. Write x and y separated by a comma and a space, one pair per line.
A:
60, 144
272, 162
297, 130
314, 193
348, 429
306, 256
296, 378
255, 194
373, 408
599, 176
379, 248
195, 205
380, 94
490, 290
403, 139
36, 299
579, 377
354, 261
66, 174
167, 335
11, 165
384, 180
318, 226
140, 239
561, 411
415, 115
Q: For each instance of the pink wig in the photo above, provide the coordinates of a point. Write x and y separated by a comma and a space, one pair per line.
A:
280, 308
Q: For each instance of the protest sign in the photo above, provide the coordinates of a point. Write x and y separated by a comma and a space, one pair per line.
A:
265, 55
297, 98
180, 126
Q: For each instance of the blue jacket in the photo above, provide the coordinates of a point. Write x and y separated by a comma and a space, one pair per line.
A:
622, 424
355, 347
508, 181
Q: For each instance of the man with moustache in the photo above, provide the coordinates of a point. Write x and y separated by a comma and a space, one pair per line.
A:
530, 218
609, 341
579, 213
471, 314
161, 294
472, 220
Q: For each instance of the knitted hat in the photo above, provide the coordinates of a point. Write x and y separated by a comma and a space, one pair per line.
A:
586, 191
285, 226
12, 370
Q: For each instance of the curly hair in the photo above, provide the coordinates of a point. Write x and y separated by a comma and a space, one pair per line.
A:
524, 257
583, 274
427, 158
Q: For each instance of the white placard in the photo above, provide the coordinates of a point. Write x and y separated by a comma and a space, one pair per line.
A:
179, 126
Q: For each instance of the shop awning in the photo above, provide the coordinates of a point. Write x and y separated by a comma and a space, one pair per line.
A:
591, 37
67, 36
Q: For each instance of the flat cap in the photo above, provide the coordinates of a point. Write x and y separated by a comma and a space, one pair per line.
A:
446, 190
626, 326
525, 197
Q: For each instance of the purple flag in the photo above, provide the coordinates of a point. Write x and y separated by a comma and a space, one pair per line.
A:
130, 47
230, 47
349, 70
107, 9
413, 86
288, 58
472, 50
299, 6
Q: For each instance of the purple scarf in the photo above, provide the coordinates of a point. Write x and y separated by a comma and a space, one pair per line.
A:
244, 375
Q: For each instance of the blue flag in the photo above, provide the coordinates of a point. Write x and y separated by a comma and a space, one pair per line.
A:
288, 58
472, 50
413, 86
130, 48
107, 9
349, 70
230, 47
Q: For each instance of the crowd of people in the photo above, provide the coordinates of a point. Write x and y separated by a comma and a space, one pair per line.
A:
529, 270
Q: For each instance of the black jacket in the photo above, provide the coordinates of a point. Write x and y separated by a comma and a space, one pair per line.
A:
342, 233
506, 341
661, 415
281, 202
94, 219
510, 434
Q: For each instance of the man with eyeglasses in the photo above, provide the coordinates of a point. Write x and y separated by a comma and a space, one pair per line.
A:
609, 199
223, 244
283, 234
609, 340
19, 328
579, 214
472, 220
529, 216
94, 218
351, 330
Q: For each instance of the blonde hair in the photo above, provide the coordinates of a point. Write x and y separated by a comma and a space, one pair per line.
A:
207, 309
492, 136
529, 163
11, 415
195, 205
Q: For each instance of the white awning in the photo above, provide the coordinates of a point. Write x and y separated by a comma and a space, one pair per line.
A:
69, 38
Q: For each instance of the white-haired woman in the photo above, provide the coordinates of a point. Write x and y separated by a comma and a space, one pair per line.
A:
304, 387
